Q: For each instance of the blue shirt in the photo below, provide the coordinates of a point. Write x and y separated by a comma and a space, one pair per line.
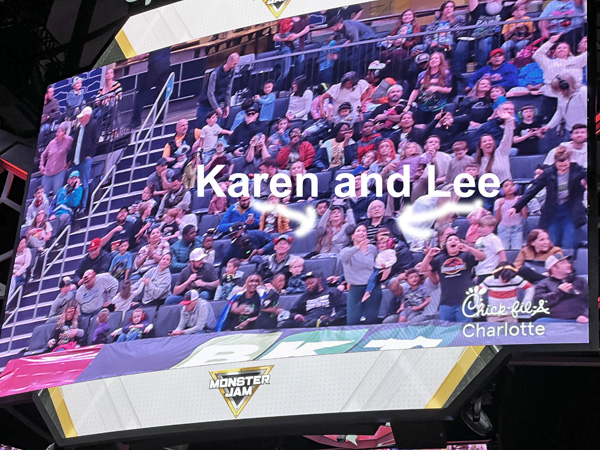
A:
233, 215
531, 74
267, 107
554, 12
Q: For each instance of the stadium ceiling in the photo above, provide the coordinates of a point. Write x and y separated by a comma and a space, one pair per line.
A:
43, 41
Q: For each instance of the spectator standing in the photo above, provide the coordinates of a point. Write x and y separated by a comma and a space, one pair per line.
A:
216, 92
53, 162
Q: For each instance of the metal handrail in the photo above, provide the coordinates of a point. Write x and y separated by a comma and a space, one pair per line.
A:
154, 114
408, 36
46, 267
14, 314
17, 291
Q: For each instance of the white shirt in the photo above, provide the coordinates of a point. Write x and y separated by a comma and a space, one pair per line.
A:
352, 96
490, 245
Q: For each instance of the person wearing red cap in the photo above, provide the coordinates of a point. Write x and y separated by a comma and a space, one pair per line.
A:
97, 259
500, 72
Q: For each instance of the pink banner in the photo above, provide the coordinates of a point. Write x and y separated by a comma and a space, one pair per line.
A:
31, 373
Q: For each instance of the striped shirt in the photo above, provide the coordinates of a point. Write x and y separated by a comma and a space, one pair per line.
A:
500, 293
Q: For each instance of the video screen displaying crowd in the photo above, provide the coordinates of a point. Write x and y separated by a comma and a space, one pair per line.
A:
446, 98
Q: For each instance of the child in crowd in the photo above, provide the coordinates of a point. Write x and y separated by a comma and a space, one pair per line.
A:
266, 102
100, 335
327, 60
415, 296
280, 138
169, 226
137, 327
219, 158
517, 35
120, 266
272, 221
218, 204
458, 164
123, 301
365, 164
528, 132
502, 288
413, 156
207, 245
147, 199
385, 259
209, 135
491, 245
231, 280
510, 228
344, 115
498, 95
295, 284
180, 160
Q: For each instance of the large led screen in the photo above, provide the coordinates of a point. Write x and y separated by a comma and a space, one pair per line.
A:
348, 180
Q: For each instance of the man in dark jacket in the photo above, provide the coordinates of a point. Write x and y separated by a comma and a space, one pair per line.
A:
216, 92
246, 244
85, 145
565, 295
563, 211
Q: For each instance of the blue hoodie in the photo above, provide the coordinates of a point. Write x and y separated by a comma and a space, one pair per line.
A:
505, 75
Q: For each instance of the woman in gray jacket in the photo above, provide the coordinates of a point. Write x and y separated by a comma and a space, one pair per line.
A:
157, 282
358, 264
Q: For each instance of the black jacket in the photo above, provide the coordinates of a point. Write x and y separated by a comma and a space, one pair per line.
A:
549, 180
89, 142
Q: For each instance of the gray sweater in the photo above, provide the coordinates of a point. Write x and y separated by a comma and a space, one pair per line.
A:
103, 290
200, 318
159, 287
358, 267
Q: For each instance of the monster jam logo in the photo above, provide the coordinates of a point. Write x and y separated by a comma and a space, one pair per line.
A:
237, 386
276, 6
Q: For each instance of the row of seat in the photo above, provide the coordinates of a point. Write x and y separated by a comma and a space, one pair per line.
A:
164, 319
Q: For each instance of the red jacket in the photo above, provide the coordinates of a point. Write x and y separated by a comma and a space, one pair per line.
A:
307, 155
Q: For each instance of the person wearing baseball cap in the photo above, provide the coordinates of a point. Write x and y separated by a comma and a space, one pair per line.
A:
565, 295
85, 144
161, 178
278, 262
67, 288
246, 130
247, 244
501, 72
198, 274
68, 200
96, 259
197, 315
318, 306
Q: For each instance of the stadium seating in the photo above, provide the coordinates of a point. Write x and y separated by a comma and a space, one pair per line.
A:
114, 322
581, 261
166, 320
39, 338
522, 168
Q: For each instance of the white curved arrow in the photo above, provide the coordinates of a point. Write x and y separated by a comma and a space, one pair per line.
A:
409, 220
307, 220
